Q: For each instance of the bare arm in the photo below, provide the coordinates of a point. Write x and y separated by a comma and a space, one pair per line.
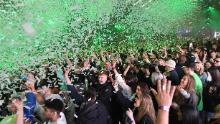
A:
164, 97
20, 111
126, 70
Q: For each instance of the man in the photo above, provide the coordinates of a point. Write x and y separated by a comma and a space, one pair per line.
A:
104, 90
91, 111
53, 111
171, 72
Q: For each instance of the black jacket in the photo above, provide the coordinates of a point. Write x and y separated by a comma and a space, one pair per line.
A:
93, 113
105, 94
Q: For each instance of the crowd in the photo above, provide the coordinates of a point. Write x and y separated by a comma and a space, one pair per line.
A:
153, 87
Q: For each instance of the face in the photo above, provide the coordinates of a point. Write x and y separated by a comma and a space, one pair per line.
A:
208, 65
153, 57
217, 62
46, 91
197, 67
213, 55
186, 70
86, 64
161, 62
198, 50
184, 82
49, 113
108, 65
12, 107
102, 78
137, 102
138, 91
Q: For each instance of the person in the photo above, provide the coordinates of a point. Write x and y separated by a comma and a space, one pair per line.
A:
92, 111
189, 114
104, 90
17, 108
189, 70
54, 111
204, 76
213, 55
185, 92
145, 110
179, 66
217, 62
212, 94
142, 104
164, 97
171, 72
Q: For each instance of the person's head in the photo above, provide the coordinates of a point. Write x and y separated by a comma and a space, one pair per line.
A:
214, 46
155, 76
11, 106
170, 65
30, 83
215, 73
182, 59
189, 114
208, 65
108, 66
86, 64
145, 69
197, 50
217, 62
142, 88
103, 77
213, 54
53, 107
187, 83
90, 94
199, 68
144, 105
131, 80
162, 62
189, 69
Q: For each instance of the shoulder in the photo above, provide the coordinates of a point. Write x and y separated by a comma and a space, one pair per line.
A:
146, 120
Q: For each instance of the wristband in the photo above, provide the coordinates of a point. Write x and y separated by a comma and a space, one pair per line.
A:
164, 108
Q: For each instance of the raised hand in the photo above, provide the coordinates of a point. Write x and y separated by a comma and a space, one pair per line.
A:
164, 93
66, 75
129, 113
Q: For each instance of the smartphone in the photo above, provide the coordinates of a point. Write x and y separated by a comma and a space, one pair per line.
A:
191, 45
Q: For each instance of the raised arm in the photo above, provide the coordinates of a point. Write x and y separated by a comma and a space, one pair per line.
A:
74, 93
126, 90
164, 97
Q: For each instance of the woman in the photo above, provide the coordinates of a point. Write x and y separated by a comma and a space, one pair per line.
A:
212, 93
185, 92
144, 111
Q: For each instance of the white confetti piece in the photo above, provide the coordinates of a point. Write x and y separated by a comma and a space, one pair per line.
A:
28, 28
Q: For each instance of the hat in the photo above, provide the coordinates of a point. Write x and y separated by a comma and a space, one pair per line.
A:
171, 63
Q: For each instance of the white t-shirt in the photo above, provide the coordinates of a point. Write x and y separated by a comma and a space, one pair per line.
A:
61, 120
